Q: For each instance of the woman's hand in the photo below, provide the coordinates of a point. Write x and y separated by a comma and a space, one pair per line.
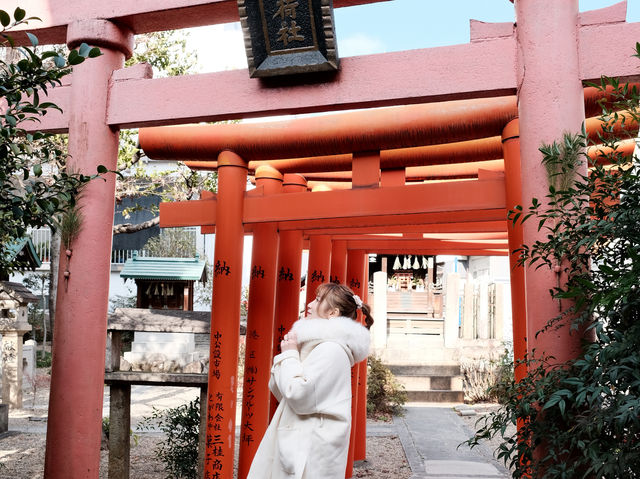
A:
289, 342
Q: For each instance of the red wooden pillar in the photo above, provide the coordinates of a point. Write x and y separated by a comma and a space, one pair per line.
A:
393, 177
339, 262
365, 168
288, 284
360, 452
74, 425
225, 317
355, 273
258, 352
319, 269
513, 185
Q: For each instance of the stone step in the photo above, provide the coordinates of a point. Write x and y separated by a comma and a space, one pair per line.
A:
428, 370
435, 396
437, 383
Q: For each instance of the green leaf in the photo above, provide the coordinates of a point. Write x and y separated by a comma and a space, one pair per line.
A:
94, 52
75, 58
17, 212
33, 39
102, 169
19, 14
59, 61
83, 50
37, 170
5, 19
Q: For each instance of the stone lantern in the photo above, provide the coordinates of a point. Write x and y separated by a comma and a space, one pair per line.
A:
14, 299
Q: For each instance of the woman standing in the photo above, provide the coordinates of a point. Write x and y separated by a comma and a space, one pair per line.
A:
308, 437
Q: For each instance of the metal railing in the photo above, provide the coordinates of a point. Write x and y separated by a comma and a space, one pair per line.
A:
41, 238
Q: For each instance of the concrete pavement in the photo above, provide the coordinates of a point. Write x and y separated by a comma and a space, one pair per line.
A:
430, 436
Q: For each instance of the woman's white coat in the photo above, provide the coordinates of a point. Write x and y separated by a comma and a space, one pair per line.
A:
308, 437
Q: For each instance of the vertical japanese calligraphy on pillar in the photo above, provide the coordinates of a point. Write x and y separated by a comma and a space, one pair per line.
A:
250, 392
317, 276
215, 408
284, 37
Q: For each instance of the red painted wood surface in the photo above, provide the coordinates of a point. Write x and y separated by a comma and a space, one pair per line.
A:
513, 186
319, 269
77, 380
289, 265
259, 336
392, 201
356, 281
339, 262
225, 319
142, 16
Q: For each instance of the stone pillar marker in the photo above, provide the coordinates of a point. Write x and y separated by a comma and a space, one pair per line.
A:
77, 379
14, 301
467, 309
451, 309
12, 377
498, 320
379, 328
484, 329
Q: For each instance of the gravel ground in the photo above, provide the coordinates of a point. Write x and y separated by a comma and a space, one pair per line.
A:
482, 410
22, 457
22, 449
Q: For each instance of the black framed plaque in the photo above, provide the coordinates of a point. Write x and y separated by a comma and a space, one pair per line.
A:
285, 37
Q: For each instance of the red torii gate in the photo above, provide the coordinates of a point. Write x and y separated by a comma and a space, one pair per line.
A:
327, 134
543, 60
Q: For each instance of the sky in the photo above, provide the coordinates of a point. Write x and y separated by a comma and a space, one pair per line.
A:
383, 27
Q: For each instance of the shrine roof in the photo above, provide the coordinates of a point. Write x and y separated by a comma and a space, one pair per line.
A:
25, 249
18, 292
184, 269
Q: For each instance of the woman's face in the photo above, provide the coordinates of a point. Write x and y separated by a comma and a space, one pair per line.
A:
318, 309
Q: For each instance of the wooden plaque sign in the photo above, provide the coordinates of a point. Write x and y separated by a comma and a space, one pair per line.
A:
284, 37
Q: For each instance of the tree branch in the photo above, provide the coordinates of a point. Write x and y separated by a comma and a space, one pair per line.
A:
131, 228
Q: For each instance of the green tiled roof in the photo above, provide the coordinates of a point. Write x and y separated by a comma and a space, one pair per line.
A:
186, 269
27, 248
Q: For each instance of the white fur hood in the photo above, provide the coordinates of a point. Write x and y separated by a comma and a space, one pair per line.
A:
350, 334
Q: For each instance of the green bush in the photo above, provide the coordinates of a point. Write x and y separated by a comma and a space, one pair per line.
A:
43, 362
179, 450
105, 426
484, 378
385, 396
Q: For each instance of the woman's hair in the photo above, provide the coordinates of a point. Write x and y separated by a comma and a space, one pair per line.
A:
341, 297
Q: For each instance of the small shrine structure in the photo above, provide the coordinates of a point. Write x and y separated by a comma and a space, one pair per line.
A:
164, 283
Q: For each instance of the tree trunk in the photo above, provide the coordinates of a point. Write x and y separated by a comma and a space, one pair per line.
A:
44, 320
53, 281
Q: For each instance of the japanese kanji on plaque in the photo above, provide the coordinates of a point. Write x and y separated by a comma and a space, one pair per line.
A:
284, 37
